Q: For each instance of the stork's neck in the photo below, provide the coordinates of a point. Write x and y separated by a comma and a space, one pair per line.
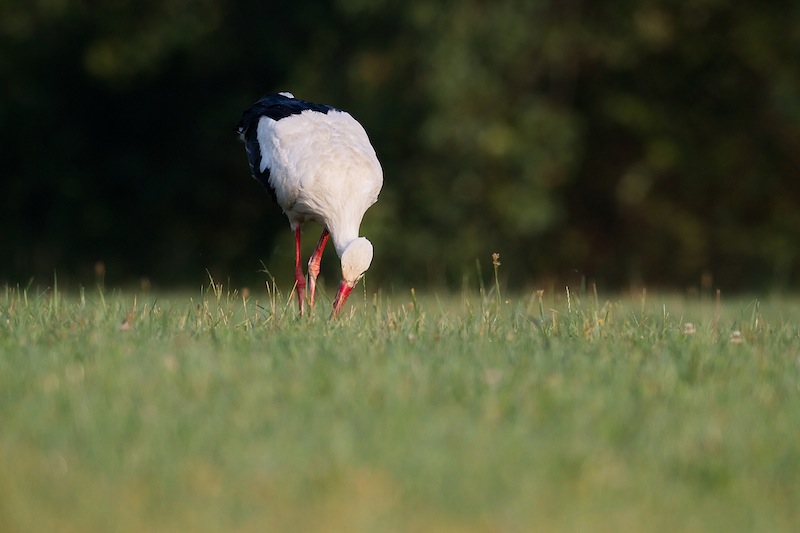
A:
342, 234
341, 243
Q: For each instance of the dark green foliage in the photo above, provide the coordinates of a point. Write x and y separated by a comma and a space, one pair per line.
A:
646, 140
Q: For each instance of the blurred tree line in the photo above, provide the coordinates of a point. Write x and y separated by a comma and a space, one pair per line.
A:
630, 141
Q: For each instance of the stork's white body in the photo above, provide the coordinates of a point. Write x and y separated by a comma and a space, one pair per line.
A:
318, 164
322, 168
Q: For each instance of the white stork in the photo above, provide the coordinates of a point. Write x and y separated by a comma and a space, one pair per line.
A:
317, 163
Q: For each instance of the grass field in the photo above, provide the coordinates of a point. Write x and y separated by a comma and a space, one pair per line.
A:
470, 412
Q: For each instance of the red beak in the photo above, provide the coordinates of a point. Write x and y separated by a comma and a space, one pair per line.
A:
341, 297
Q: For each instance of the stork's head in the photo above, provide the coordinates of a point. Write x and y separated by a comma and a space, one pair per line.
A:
356, 259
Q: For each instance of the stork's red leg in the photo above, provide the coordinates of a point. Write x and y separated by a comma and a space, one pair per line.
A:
299, 278
313, 265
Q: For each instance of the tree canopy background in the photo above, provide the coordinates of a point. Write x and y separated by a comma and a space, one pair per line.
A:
633, 141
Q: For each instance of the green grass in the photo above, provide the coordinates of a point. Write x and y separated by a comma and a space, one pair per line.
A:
469, 412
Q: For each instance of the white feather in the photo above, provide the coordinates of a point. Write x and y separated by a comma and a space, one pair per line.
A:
322, 168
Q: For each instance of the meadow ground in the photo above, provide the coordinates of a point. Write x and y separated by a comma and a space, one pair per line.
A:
468, 412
